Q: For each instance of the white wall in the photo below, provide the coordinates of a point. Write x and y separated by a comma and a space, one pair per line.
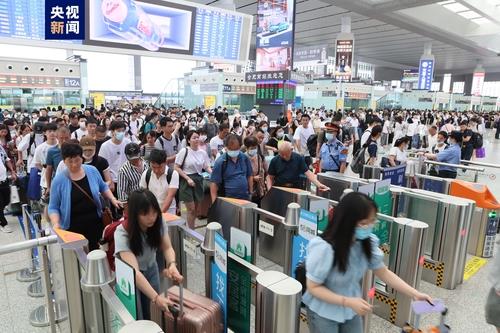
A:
157, 73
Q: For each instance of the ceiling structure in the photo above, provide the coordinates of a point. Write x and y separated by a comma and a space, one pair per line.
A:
392, 33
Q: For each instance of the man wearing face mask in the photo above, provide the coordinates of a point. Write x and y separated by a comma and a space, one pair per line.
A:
82, 130
129, 175
332, 154
73, 122
232, 175
450, 155
114, 150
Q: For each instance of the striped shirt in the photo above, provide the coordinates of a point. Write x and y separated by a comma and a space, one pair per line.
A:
128, 179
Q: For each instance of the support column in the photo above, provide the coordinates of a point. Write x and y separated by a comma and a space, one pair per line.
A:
137, 73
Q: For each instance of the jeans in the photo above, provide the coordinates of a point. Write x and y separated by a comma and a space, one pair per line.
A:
152, 275
318, 324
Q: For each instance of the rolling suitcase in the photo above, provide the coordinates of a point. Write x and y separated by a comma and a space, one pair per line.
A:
191, 313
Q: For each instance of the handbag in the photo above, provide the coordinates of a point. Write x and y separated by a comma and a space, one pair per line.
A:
480, 152
107, 217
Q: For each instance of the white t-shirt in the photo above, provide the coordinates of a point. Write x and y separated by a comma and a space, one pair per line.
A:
160, 186
196, 160
365, 136
135, 125
40, 157
400, 155
431, 141
78, 134
387, 126
3, 170
115, 154
216, 143
412, 128
302, 134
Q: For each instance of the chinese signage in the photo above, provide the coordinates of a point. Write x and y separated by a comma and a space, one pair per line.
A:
239, 283
275, 35
395, 174
317, 54
308, 224
275, 92
425, 74
343, 58
219, 275
237, 89
383, 199
279, 75
34, 81
477, 84
64, 19
356, 95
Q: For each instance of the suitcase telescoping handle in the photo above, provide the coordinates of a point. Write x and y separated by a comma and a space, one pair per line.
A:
177, 310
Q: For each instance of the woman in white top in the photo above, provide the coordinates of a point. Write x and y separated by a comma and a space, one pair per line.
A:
190, 163
398, 129
397, 154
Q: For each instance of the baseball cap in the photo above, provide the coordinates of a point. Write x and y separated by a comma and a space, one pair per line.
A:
132, 151
87, 142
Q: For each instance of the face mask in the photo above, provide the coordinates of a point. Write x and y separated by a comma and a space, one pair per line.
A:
82, 125
34, 117
280, 134
440, 142
264, 129
252, 152
119, 136
88, 157
203, 138
329, 136
363, 233
233, 153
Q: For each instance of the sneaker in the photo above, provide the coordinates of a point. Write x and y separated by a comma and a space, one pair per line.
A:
6, 229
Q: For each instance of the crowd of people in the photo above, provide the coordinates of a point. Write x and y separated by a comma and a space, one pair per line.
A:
82, 164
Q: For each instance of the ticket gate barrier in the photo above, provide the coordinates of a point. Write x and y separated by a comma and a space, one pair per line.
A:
338, 182
449, 220
484, 223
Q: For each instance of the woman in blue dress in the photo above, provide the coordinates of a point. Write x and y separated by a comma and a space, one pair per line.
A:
336, 263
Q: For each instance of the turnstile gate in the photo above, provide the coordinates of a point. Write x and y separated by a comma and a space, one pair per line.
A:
338, 182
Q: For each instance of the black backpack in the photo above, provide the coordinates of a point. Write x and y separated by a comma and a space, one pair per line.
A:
170, 172
477, 140
358, 161
312, 144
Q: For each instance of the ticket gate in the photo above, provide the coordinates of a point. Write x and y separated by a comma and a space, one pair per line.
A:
485, 218
449, 220
338, 182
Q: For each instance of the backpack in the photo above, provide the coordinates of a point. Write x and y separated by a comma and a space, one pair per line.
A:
358, 161
163, 144
107, 242
170, 172
141, 133
477, 140
312, 143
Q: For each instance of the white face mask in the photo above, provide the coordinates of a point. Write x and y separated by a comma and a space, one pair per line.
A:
203, 138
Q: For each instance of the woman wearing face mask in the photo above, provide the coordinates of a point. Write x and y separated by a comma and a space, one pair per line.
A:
264, 126
190, 163
278, 136
397, 154
450, 155
336, 263
258, 167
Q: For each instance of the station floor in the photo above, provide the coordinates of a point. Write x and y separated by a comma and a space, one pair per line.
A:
465, 303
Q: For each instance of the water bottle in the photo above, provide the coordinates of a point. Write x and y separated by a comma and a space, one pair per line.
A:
127, 19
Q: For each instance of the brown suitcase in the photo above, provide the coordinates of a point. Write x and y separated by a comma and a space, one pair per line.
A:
197, 314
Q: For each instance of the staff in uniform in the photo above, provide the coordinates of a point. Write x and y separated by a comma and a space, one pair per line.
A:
450, 155
332, 154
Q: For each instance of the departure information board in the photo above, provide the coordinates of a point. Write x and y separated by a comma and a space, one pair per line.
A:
22, 19
217, 34
275, 92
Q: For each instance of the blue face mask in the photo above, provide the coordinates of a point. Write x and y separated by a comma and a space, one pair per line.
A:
252, 152
329, 136
233, 153
363, 233
119, 136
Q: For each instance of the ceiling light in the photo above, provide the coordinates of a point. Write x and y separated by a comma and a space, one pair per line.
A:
481, 20
469, 14
456, 7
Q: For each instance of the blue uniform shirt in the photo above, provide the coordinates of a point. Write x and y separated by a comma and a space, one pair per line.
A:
451, 155
332, 155
235, 175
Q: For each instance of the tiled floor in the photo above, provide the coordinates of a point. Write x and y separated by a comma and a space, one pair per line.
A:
466, 303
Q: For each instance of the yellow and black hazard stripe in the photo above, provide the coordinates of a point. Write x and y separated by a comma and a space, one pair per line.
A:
391, 302
439, 269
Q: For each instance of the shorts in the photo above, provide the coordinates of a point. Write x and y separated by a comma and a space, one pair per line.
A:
191, 194
493, 308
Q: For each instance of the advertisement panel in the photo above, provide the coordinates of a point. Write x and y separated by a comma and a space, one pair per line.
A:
343, 58
317, 54
425, 74
174, 27
477, 84
274, 35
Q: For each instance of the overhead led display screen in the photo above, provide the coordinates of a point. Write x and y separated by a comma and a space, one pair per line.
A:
275, 92
175, 27
275, 35
343, 58
425, 74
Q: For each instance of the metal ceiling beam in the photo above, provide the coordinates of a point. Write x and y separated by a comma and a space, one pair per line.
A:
401, 4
